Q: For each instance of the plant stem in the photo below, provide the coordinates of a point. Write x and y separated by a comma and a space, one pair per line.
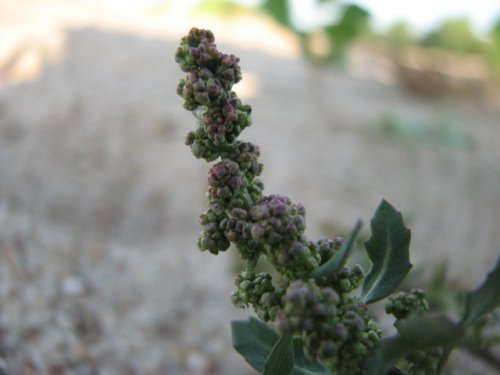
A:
248, 198
444, 358
252, 264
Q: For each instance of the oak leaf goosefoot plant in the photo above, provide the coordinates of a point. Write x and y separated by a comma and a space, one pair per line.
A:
311, 320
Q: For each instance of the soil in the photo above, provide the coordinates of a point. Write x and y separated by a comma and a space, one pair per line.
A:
99, 196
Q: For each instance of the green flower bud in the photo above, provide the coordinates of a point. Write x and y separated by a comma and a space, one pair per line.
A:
403, 304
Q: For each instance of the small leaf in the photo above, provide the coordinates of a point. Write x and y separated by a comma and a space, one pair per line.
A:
388, 249
282, 357
304, 365
414, 333
254, 340
483, 299
338, 260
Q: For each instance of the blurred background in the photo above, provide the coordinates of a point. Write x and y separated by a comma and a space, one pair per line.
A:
99, 197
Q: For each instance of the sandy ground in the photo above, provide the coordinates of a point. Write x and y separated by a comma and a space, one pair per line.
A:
99, 197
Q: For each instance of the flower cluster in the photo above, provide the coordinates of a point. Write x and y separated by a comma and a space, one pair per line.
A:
206, 90
257, 290
403, 304
311, 298
337, 331
424, 362
279, 224
335, 326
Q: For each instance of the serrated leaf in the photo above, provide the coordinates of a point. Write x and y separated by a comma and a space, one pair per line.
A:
414, 333
334, 264
254, 340
388, 249
483, 299
282, 357
304, 365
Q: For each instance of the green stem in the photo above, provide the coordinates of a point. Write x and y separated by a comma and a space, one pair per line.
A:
252, 264
247, 198
444, 358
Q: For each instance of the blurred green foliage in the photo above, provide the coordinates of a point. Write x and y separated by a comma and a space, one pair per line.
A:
455, 35
494, 50
344, 22
344, 25
400, 35
227, 8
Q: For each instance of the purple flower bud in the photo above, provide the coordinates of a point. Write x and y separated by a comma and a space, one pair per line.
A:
357, 271
297, 249
259, 212
340, 332
344, 273
327, 350
257, 232
236, 182
228, 74
219, 138
202, 98
330, 296
338, 242
195, 52
205, 73
275, 222
210, 228
280, 209
219, 170
239, 213
269, 299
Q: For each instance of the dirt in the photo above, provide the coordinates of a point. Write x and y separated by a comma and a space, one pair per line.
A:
99, 197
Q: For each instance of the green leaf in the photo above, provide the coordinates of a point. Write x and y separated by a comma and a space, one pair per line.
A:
420, 332
388, 249
304, 365
254, 340
282, 357
483, 299
338, 260
417, 332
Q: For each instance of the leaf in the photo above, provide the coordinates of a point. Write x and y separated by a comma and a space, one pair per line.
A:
420, 332
388, 249
417, 332
282, 357
254, 340
338, 260
304, 365
483, 299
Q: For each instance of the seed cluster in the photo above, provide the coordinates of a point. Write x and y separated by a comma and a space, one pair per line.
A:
334, 324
